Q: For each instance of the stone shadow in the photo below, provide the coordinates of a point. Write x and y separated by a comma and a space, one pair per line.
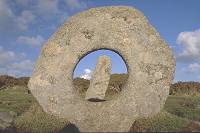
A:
70, 128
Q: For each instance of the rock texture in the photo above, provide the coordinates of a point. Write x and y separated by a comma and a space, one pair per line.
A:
100, 80
125, 30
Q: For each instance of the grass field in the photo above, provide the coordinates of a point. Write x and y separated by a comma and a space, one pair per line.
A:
162, 122
184, 106
178, 112
37, 121
15, 99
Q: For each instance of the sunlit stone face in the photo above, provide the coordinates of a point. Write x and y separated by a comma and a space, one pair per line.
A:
100, 80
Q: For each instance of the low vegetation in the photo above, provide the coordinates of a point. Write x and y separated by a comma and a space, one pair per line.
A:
162, 122
9, 81
16, 99
185, 88
181, 111
184, 106
35, 120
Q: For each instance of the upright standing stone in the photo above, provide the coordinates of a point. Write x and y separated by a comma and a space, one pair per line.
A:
100, 80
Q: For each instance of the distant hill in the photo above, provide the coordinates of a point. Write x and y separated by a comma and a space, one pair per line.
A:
115, 84
117, 80
185, 88
9, 81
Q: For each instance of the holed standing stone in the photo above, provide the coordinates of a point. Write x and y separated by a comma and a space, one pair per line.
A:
125, 30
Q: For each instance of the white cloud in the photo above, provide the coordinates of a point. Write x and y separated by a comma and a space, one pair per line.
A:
14, 64
47, 7
75, 4
24, 65
31, 41
6, 16
88, 71
22, 2
6, 57
25, 18
45, 11
86, 74
191, 46
192, 68
9, 22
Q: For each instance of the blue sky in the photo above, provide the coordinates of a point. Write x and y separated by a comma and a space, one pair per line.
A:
26, 24
87, 64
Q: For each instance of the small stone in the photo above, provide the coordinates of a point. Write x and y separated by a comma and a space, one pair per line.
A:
100, 80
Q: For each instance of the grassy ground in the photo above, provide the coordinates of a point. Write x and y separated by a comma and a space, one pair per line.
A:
35, 120
162, 122
184, 106
177, 113
15, 99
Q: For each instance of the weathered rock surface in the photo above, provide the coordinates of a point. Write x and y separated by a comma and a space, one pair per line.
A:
125, 30
100, 80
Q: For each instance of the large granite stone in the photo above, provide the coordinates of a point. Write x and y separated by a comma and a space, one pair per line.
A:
100, 80
122, 29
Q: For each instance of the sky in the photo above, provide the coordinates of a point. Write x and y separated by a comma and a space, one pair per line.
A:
25, 25
87, 64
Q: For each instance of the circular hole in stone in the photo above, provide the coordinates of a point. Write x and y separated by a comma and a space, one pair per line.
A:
84, 73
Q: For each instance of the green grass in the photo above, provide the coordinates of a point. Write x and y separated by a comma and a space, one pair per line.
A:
15, 99
184, 106
35, 120
162, 122
32, 118
177, 113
